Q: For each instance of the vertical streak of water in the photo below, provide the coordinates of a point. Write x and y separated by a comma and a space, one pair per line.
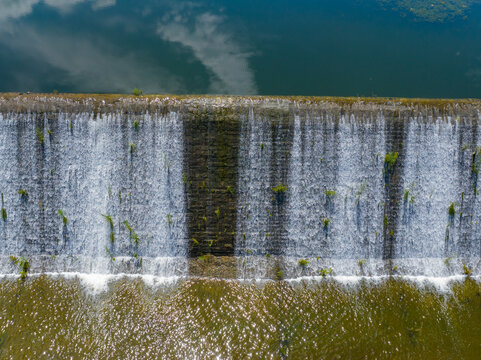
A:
335, 187
86, 167
254, 193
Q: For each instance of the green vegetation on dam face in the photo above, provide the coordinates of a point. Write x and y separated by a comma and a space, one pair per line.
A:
48, 318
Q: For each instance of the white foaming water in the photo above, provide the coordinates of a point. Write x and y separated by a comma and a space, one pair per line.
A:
438, 173
441, 284
337, 193
254, 187
88, 167
97, 283
335, 187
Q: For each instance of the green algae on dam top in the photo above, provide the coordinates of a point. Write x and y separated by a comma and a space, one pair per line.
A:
47, 318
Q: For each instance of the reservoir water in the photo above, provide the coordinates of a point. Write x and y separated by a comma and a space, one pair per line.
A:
336, 48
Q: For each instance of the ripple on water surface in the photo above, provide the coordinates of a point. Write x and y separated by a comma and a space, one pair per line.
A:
49, 317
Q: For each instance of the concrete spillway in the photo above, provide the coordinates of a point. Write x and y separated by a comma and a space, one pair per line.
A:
171, 186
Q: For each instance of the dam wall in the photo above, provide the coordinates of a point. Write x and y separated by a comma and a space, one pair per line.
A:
256, 187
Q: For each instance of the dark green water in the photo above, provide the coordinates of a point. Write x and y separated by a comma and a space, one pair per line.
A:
410, 48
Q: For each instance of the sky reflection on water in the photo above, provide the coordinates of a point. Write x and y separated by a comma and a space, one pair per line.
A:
346, 47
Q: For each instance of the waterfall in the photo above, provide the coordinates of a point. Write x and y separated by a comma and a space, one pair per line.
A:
438, 173
254, 204
98, 193
258, 188
347, 210
335, 187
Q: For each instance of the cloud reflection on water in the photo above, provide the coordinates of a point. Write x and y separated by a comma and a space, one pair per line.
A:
94, 64
14, 9
206, 36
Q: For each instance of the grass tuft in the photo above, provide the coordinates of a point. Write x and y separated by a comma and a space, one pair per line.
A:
62, 215
281, 188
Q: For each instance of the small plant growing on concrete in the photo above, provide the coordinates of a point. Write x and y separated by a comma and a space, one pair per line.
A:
303, 263
326, 222
111, 224
137, 92
132, 148
109, 253
64, 218
23, 193
23, 265
281, 188
280, 193
40, 136
389, 164
4, 211
133, 235
466, 270
279, 273
451, 210
330, 194
390, 160
136, 124
325, 272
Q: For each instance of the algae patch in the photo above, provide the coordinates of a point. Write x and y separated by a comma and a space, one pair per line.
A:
431, 10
